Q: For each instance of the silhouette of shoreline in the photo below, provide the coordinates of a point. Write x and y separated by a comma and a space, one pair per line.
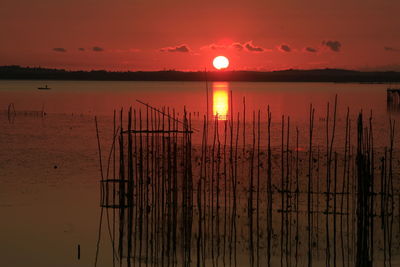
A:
317, 75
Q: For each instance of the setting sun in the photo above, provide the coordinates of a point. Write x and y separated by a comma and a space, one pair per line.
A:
220, 62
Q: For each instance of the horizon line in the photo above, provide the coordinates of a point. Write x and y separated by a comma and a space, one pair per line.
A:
197, 71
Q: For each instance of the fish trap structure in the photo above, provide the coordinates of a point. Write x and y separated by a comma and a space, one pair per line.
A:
152, 159
393, 99
259, 201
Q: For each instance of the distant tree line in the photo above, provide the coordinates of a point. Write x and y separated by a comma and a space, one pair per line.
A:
317, 75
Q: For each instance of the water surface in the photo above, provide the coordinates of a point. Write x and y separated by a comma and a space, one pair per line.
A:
49, 187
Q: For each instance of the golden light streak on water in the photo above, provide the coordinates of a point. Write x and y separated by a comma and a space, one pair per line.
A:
220, 100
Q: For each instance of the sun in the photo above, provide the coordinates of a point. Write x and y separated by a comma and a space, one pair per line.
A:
220, 62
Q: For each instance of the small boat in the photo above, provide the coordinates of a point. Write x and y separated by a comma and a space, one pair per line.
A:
44, 88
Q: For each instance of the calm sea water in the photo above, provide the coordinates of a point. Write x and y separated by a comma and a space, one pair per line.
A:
89, 97
49, 171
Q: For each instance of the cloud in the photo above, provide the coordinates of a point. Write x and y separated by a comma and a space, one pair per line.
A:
214, 47
183, 48
335, 46
252, 48
97, 49
285, 48
237, 46
81, 49
217, 47
60, 49
311, 50
391, 49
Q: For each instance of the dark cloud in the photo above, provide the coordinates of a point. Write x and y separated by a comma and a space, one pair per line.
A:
285, 48
335, 46
60, 49
213, 47
97, 49
217, 47
252, 48
81, 49
391, 49
311, 50
180, 48
237, 46
247, 46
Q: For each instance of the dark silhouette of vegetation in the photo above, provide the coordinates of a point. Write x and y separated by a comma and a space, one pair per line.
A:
317, 75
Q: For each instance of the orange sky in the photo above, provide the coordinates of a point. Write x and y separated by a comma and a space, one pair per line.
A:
186, 35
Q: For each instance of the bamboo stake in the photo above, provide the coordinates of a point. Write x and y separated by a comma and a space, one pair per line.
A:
310, 167
269, 192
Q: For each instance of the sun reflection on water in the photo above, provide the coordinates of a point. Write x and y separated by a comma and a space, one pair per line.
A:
220, 100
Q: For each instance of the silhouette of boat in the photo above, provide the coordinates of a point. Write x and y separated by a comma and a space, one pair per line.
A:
44, 88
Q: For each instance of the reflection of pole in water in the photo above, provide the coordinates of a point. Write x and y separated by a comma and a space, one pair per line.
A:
393, 99
220, 100
165, 214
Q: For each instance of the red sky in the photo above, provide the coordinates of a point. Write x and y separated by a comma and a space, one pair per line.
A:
187, 34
